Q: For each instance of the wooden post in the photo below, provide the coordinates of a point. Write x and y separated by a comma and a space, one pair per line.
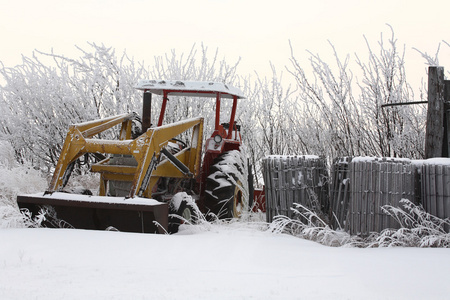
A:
435, 118
446, 150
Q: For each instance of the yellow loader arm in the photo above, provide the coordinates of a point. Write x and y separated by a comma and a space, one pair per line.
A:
146, 149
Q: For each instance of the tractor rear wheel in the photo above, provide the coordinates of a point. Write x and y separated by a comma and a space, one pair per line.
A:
226, 191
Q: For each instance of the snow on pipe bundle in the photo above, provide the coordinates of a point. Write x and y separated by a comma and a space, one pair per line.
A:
375, 182
294, 179
435, 188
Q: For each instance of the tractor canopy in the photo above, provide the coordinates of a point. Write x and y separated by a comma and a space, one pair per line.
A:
190, 88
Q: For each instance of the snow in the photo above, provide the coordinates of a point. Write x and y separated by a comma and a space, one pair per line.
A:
98, 199
218, 179
220, 261
307, 157
381, 159
440, 161
178, 198
443, 161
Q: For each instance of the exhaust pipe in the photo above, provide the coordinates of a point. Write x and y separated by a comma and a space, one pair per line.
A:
146, 111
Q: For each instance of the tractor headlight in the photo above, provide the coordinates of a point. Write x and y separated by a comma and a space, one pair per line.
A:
217, 139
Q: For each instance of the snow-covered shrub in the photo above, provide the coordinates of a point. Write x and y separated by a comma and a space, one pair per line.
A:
15, 179
309, 225
7, 159
417, 229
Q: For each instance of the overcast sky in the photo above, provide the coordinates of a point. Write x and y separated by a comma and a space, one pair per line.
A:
257, 31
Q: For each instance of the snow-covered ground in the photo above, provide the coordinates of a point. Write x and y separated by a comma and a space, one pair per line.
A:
223, 261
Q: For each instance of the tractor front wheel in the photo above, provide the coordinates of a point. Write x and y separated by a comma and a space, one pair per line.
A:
182, 210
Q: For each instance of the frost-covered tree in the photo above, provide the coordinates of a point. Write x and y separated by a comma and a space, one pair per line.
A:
329, 110
48, 92
266, 118
342, 115
397, 131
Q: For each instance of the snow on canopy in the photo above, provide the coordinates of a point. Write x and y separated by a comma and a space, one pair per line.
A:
190, 88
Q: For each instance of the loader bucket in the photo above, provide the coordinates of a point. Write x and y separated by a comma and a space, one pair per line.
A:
98, 213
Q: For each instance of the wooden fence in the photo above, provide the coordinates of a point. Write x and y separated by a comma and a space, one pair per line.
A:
294, 179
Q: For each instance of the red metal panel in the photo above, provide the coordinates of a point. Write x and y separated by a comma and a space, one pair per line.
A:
259, 200
163, 109
233, 114
217, 112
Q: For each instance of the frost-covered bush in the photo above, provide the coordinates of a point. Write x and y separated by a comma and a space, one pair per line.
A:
308, 225
48, 92
7, 159
15, 179
417, 229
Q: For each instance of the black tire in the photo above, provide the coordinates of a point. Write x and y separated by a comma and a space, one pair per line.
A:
186, 212
226, 191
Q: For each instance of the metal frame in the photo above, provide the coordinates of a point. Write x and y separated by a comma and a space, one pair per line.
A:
145, 149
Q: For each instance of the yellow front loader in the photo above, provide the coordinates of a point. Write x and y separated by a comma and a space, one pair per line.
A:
140, 176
